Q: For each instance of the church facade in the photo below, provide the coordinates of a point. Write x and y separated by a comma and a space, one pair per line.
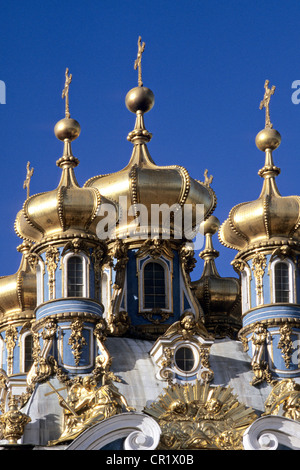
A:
107, 343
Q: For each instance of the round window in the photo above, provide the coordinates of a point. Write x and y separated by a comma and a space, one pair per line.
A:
185, 359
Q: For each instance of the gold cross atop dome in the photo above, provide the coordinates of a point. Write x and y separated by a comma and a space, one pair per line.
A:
265, 103
29, 173
138, 60
65, 92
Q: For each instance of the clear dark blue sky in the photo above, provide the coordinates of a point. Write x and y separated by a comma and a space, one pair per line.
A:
205, 61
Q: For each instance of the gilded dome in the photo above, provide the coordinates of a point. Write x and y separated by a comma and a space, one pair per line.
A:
218, 296
270, 219
18, 291
68, 210
145, 183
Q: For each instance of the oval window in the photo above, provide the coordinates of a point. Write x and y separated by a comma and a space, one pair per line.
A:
185, 359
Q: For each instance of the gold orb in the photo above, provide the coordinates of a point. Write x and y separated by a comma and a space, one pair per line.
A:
139, 99
67, 128
268, 139
211, 225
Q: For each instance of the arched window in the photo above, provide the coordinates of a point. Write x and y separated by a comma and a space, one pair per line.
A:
154, 286
282, 282
75, 277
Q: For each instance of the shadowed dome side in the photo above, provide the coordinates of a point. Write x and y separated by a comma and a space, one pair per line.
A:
219, 296
18, 291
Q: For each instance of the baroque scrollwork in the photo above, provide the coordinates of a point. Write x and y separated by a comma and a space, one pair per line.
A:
52, 259
285, 343
259, 264
11, 337
284, 399
77, 340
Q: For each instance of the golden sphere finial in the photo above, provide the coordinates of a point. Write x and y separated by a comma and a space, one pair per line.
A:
268, 138
211, 225
139, 99
67, 128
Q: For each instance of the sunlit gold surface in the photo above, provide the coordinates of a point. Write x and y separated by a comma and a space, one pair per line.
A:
18, 292
271, 218
200, 417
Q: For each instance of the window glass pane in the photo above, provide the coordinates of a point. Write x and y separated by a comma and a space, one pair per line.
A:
184, 359
282, 287
28, 346
154, 286
75, 277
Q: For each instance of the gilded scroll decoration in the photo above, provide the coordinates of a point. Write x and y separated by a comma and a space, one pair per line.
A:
52, 259
259, 264
284, 399
200, 416
77, 340
285, 343
11, 337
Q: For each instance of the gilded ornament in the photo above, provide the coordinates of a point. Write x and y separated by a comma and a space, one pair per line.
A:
138, 61
77, 340
200, 416
86, 404
285, 343
259, 264
11, 337
52, 259
65, 92
265, 103
13, 422
29, 174
259, 366
284, 399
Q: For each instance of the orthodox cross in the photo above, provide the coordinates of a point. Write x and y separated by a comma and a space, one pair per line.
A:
138, 61
65, 92
28, 178
265, 103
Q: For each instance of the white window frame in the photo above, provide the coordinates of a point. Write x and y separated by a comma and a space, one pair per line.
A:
291, 271
168, 270
85, 269
246, 289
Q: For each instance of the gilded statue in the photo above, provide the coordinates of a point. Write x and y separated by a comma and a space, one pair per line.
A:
87, 404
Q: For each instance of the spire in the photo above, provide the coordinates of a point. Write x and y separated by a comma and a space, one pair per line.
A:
139, 100
268, 140
209, 254
67, 130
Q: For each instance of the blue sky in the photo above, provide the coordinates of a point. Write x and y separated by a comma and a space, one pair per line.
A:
206, 63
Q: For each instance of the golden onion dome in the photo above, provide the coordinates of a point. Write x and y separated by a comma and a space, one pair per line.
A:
142, 182
67, 211
218, 296
271, 219
18, 291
